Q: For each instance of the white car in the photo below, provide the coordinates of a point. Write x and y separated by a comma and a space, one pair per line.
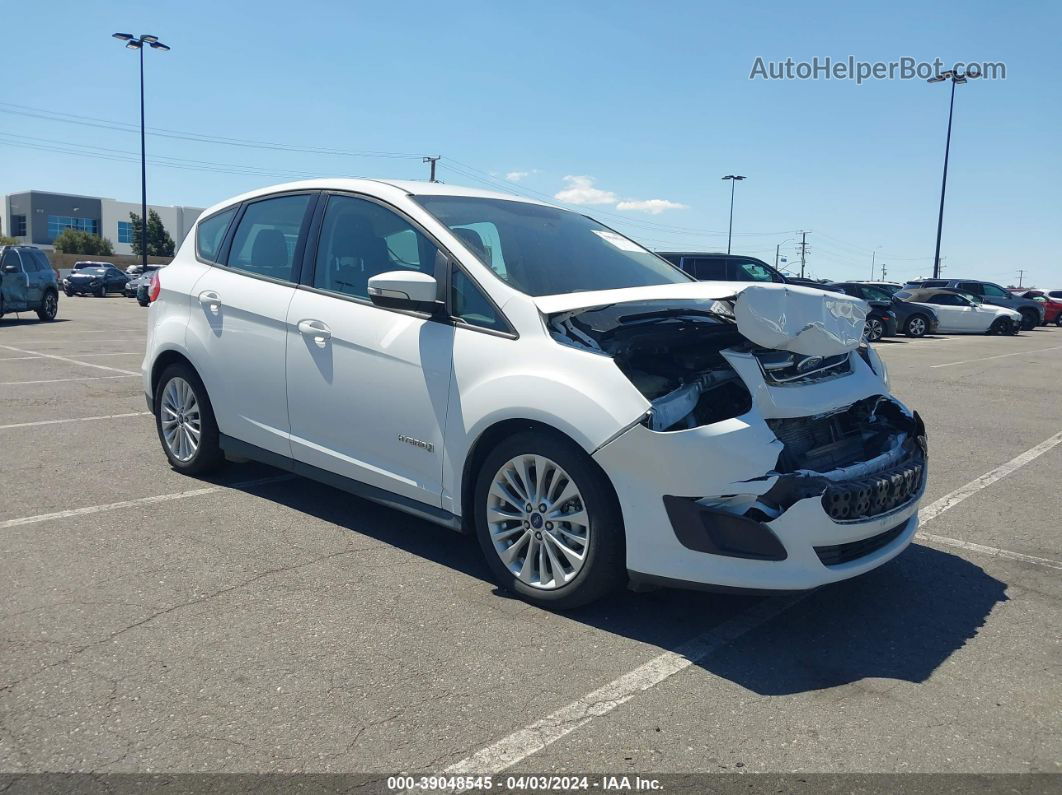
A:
503, 367
962, 313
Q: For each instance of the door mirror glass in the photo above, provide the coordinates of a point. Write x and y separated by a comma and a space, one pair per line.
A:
405, 290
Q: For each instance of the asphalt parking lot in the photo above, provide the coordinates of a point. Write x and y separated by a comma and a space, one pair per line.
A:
259, 622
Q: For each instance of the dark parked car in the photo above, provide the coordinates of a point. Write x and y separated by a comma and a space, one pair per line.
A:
912, 320
96, 280
137, 287
27, 282
711, 267
1032, 313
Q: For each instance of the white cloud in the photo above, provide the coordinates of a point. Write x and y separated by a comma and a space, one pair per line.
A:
651, 206
516, 176
581, 190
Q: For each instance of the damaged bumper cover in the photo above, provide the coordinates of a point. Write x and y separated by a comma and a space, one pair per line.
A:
735, 505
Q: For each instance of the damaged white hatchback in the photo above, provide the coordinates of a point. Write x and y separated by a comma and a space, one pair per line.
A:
521, 372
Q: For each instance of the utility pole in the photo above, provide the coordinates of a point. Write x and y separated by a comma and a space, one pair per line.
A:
803, 251
1021, 274
873, 256
734, 179
883, 271
431, 160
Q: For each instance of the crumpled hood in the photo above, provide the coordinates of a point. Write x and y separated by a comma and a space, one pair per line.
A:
778, 316
800, 319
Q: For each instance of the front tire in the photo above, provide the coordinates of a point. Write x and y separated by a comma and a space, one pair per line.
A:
916, 326
49, 306
1058, 320
1029, 321
185, 421
1002, 326
875, 329
548, 522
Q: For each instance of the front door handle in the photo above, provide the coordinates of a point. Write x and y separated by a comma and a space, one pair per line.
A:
316, 329
211, 300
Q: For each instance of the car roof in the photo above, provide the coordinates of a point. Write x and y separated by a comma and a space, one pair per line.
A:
919, 293
706, 254
382, 188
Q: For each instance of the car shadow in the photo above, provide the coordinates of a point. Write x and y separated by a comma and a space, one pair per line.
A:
16, 319
901, 621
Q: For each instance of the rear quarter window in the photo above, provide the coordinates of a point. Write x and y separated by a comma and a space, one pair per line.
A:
210, 233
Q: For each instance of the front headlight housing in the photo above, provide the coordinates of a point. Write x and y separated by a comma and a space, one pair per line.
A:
874, 361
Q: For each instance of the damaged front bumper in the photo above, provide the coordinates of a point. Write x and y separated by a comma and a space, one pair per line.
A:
728, 504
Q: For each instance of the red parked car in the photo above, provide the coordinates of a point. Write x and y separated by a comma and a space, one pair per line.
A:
1052, 301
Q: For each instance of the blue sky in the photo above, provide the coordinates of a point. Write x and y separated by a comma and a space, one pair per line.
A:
635, 101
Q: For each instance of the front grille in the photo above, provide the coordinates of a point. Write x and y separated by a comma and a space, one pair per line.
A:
836, 554
872, 496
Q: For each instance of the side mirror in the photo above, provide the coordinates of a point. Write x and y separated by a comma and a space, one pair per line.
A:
11, 269
405, 290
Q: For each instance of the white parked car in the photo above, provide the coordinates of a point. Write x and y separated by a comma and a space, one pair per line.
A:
963, 313
507, 368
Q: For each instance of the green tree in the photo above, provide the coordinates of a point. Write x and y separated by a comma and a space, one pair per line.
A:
76, 241
159, 243
7, 241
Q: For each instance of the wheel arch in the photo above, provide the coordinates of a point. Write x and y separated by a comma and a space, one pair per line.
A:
164, 360
489, 438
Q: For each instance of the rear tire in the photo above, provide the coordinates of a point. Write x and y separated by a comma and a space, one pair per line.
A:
1058, 320
597, 534
1029, 321
49, 306
185, 421
101, 292
916, 326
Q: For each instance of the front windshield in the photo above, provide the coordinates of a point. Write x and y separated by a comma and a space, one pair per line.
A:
545, 251
93, 271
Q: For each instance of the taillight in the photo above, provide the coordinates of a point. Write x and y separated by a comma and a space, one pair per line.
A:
154, 288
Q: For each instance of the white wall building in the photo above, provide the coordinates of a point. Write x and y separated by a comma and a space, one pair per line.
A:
37, 217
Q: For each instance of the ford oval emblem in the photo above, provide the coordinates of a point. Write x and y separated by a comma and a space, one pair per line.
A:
808, 363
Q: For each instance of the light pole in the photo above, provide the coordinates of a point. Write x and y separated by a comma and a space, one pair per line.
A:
956, 79
733, 181
137, 43
778, 251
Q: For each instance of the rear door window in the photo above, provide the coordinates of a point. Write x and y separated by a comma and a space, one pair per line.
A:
266, 237
994, 291
706, 268
971, 287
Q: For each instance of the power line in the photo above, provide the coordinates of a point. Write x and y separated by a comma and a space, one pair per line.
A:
162, 132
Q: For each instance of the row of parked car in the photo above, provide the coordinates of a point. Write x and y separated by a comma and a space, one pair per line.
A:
101, 278
917, 308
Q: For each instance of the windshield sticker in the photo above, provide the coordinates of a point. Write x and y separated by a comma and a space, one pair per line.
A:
619, 241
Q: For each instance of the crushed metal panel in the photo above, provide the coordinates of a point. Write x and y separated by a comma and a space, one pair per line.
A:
800, 319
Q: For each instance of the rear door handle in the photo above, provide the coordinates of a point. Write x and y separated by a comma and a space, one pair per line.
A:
210, 299
316, 329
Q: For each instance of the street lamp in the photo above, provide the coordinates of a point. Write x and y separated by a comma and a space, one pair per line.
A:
778, 250
956, 79
134, 43
733, 181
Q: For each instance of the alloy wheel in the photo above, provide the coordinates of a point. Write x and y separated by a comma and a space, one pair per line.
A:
182, 425
874, 330
51, 305
916, 327
537, 520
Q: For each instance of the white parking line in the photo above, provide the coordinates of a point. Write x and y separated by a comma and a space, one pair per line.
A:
17, 358
113, 506
1000, 356
527, 741
121, 353
69, 360
994, 552
65, 380
73, 419
523, 743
